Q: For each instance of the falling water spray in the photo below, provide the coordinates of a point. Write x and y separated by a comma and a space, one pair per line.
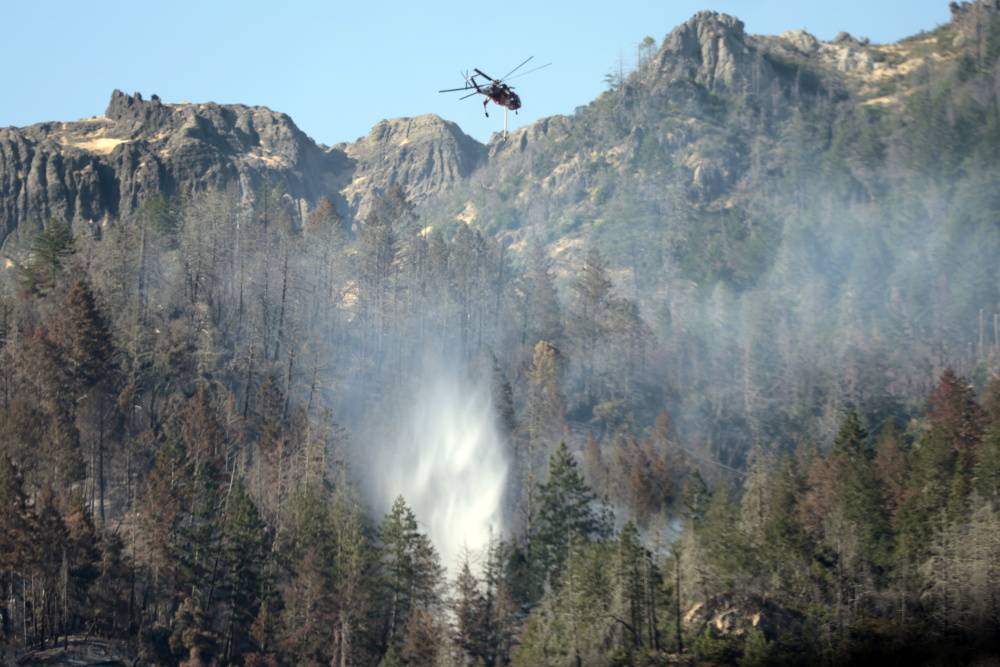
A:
445, 456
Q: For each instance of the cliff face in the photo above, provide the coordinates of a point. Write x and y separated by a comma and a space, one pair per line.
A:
425, 155
105, 166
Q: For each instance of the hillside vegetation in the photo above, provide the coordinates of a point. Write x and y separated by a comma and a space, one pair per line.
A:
739, 318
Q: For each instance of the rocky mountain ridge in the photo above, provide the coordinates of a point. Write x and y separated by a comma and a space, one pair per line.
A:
99, 168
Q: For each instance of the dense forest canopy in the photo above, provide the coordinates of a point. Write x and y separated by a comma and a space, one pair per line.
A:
706, 372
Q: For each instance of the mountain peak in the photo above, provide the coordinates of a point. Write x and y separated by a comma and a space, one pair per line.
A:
710, 48
123, 107
712, 20
407, 130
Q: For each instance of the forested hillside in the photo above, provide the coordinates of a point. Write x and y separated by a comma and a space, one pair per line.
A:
705, 372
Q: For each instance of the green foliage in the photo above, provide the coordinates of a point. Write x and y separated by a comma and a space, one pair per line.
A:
712, 649
568, 511
245, 556
391, 659
860, 495
51, 250
729, 248
411, 571
160, 215
756, 650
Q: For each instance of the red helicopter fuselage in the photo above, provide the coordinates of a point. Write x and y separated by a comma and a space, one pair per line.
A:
502, 96
497, 91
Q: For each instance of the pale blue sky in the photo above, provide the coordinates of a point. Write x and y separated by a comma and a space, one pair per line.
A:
338, 67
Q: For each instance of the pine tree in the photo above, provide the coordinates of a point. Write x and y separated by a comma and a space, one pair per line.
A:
786, 553
49, 604
844, 509
162, 511
630, 586
503, 400
471, 620
500, 611
203, 436
584, 601
729, 557
545, 419
568, 511
628, 340
6, 320
956, 420
244, 585
942, 464
274, 452
51, 250
324, 221
410, 569
987, 465
695, 496
43, 378
111, 599
960, 576
86, 355
307, 613
193, 640
204, 494
423, 640
859, 491
354, 582
641, 477
892, 469
83, 556
589, 316
84, 337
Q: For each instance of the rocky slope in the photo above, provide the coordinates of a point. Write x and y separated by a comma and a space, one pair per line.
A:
682, 102
700, 132
424, 154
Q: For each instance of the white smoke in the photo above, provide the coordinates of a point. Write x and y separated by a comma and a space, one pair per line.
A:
446, 458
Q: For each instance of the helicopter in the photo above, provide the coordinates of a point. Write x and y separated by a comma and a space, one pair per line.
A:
497, 91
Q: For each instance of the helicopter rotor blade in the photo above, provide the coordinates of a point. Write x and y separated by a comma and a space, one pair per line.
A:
517, 68
532, 70
470, 82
